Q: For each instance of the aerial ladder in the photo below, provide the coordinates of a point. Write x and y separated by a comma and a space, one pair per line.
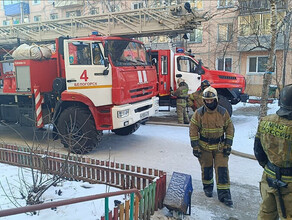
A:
168, 20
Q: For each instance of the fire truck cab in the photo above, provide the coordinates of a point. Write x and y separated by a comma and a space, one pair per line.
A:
171, 65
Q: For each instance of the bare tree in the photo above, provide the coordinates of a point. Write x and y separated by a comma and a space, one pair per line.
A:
267, 78
32, 189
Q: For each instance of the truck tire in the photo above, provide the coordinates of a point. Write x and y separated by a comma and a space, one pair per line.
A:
223, 101
127, 130
77, 130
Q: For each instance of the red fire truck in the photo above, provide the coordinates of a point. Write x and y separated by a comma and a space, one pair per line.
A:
89, 85
171, 65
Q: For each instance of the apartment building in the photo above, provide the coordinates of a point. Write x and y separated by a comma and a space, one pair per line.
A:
235, 38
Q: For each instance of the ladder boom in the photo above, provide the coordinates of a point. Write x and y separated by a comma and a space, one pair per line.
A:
169, 20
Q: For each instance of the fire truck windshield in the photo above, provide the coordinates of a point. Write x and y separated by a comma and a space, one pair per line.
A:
128, 53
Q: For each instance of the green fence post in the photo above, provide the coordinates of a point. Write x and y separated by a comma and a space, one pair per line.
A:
146, 190
150, 197
132, 206
106, 209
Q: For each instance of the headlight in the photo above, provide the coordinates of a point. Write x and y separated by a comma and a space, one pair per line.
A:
123, 113
156, 102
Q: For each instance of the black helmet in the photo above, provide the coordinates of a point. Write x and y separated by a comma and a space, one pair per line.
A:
205, 83
183, 83
285, 101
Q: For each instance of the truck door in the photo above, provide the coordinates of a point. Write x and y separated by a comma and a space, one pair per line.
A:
85, 71
164, 72
185, 66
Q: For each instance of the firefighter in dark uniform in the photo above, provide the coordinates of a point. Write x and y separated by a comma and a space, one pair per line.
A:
181, 102
195, 99
273, 150
211, 134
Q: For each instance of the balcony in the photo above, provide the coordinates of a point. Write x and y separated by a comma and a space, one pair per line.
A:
68, 4
252, 6
20, 8
245, 44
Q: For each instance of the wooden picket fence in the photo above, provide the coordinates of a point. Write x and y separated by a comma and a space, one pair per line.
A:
150, 182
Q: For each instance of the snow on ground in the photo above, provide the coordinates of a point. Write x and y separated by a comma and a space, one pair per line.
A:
10, 179
246, 125
166, 148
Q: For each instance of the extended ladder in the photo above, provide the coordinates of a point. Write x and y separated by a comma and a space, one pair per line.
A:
135, 23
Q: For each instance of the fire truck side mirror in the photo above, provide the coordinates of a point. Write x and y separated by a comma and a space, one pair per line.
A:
105, 49
106, 62
199, 70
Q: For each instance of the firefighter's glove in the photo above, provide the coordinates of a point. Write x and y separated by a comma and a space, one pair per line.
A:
226, 150
196, 152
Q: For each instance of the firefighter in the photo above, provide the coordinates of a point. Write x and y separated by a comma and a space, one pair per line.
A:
272, 148
195, 100
181, 102
211, 134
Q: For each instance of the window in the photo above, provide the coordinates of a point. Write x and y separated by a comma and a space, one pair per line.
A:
164, 67
37, 18
197, 35
197, 4
225, 3
137, 5
70, 14
16, 20
79, 53
54, 16
225, 32
257, 24
266, 24
257, 64
10, 2
185, 64
36, 2
224, 64
127, 53
94, 11
25, 19
6, 23
98, 58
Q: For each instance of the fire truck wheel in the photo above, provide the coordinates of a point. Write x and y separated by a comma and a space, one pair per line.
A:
127, 130
77, 130
223, 101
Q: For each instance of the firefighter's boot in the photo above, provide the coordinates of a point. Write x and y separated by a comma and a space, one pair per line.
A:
225, 197
208, 189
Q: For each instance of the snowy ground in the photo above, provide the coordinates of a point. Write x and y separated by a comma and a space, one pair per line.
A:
166, 148
10, 183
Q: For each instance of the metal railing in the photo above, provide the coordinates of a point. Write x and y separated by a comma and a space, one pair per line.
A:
48, 205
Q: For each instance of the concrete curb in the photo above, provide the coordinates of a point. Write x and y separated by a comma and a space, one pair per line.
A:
234, 152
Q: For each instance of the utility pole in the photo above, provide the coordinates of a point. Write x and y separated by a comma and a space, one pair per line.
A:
21, 12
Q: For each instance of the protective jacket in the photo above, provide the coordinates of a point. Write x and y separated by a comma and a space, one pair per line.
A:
273, 141
211, 132
195, 100
210, 128
273, 150
182, 94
